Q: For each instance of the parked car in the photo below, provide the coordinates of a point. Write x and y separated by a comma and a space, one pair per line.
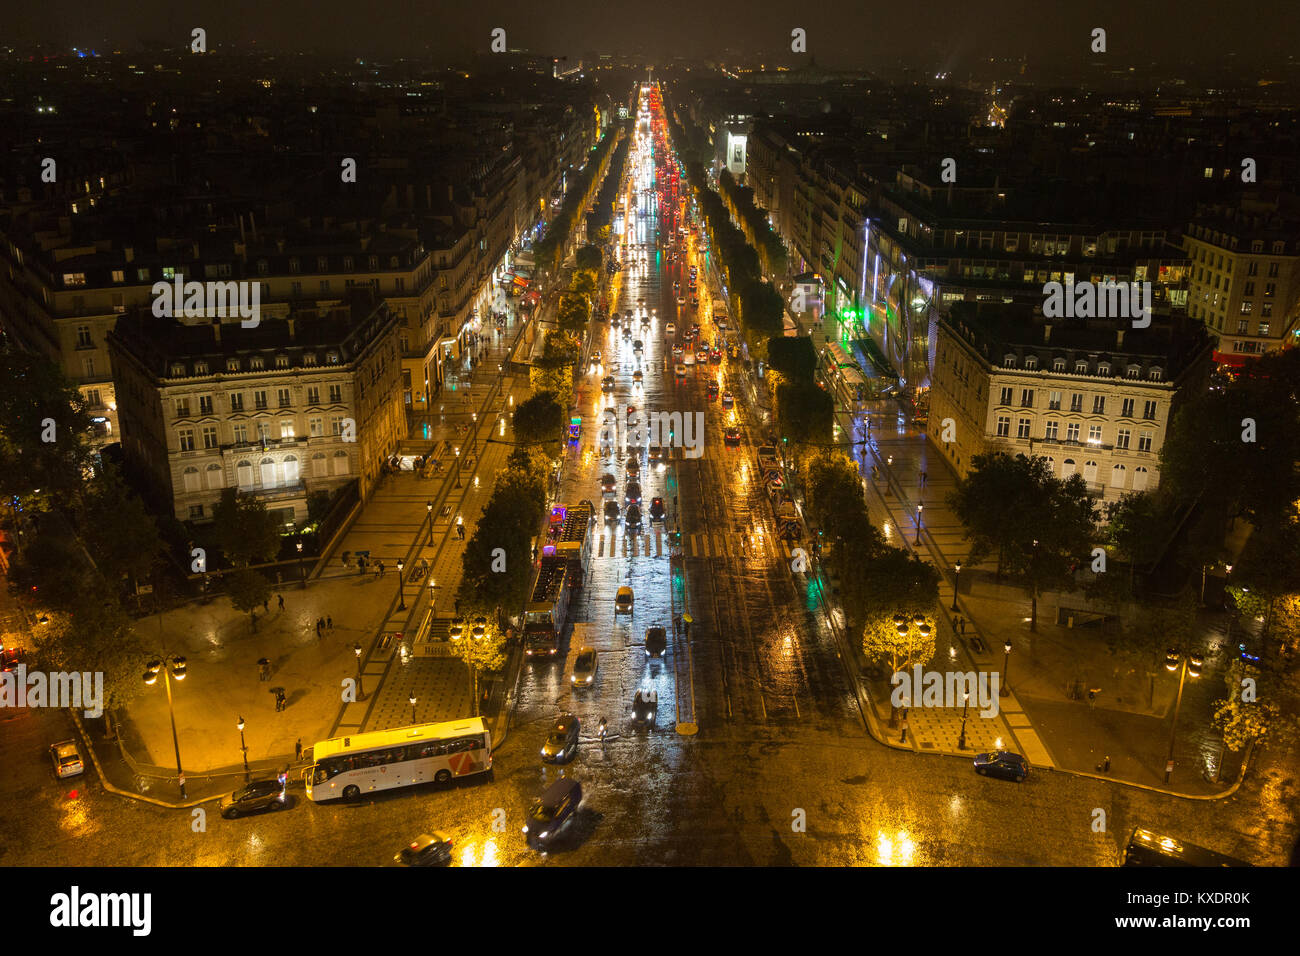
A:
624, 601
562, 742
1002, 763
66, 759
551, 810
656, 641
428, 849
255, 797
584, 667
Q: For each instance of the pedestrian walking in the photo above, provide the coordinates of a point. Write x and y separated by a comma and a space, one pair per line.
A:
297, 751
329, 623
320, 626
460, 532
280, 598
266, 605
382, 569
963, 627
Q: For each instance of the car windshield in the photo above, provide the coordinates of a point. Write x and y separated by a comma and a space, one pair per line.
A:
540, 812
585, 662
557, 740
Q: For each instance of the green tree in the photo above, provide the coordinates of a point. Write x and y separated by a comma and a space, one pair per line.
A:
539, 419
833, 491
96, 636
1266, 576
1241, 716
585, 282
248, 591
805, 413
244, 530
44, 431
794, 357
899, 643
482, 647
119, 530
1136, 529
589, 258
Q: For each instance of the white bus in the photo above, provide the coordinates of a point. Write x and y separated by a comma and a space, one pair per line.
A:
348, 767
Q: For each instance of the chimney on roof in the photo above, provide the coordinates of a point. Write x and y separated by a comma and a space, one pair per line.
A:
252, 226
196, 250
279, 245
216, 331
1119, 338
241, 227
1047, 332
129, 253
292, 336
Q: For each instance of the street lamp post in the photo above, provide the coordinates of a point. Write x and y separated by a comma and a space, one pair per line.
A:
965, 708
302, 577
243, 749
401, 591
918, 523
361, 692
1185, 664
956, 583
457, 466
429, 506
412, 700
170, 667
1006, 667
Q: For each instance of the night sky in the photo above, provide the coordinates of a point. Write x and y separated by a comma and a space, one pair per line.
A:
950, 34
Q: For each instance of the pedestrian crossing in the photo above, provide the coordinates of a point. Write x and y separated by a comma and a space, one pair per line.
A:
704, 544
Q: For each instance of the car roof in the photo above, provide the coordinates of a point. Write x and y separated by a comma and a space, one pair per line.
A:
64, 747
558, 790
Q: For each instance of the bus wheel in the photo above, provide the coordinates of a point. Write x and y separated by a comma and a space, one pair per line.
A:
442, 776
351, 794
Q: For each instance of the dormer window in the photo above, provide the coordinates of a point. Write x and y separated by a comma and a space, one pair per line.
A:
282, 361
374, 263
1058, 365
1080, 368
1133, 371
232, 365
200, 368
392, 262
308, 358
332, 358
1031, 362
294, 265
322, 263
257, 362
178, 370
262, 267
347, 263
1103, 369
1156, 373
1009, 361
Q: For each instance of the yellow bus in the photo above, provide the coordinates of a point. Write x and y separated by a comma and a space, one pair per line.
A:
347, 767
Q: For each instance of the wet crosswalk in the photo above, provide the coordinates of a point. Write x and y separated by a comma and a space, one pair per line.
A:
704, 544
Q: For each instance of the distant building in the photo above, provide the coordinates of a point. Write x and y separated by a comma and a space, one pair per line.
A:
1090, 397
1245, 277
295, 405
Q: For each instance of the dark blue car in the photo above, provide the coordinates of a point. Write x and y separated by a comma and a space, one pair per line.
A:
1002, 763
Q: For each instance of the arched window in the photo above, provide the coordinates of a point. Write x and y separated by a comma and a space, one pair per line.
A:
244, 475
1103, 369
1080, 367
341, 464
1058, 365
319, 466
1117, 476
1156, 373
290, 470
1139, 478
1009, 361
1067, 468
216, 478
1031, 362
268, 473
1090, 471
191, 478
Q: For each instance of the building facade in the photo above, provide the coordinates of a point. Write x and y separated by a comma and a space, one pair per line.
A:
1092, 399
298, 404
